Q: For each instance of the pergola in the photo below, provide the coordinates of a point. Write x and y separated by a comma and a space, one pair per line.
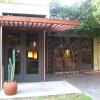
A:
38, 23
31, 23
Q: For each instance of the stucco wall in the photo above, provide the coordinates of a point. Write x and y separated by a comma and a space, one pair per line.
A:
96, 47
37, 9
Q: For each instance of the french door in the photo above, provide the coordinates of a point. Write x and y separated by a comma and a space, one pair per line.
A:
27, 56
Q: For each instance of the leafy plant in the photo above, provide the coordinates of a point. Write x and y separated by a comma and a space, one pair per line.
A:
87, 12
11, 67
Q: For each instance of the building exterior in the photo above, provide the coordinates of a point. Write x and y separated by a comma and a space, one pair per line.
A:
29, 9
26, 29
39, 43
34, 10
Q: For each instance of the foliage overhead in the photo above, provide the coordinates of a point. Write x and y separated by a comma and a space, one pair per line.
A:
6, 1
96, 12
85, 12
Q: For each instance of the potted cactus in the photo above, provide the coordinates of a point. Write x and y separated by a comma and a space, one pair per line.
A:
10, 86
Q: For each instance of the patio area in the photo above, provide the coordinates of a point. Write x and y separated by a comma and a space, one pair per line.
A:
88, 82
55, 90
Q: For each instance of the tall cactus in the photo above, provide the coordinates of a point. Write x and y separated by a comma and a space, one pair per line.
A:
11, 67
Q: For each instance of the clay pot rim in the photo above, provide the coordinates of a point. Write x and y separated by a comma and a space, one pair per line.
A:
10, 82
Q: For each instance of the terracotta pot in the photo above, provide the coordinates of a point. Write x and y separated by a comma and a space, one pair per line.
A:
10, 88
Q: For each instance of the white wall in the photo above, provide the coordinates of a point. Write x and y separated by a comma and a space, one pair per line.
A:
96, 54
38, 9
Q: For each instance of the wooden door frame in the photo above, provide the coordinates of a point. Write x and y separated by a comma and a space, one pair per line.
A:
41, 51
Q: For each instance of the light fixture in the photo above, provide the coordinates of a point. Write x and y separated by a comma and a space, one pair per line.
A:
34, 43
18, 51
30, 54
33, 54
67, 53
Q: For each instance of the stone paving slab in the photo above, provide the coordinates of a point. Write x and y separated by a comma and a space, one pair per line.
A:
54, 90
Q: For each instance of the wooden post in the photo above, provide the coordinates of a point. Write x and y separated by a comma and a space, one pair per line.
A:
44, 56
1, 57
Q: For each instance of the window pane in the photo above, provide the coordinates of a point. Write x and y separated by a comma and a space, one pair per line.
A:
17, 68
14, 43
32, 67
32, 54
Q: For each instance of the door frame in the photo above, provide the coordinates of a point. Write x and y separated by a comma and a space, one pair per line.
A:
41, 52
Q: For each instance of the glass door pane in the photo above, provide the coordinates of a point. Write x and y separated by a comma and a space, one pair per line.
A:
32, 67
32, 54
14, 43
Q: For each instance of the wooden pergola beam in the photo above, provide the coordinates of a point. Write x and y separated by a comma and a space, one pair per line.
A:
39, 23
38, 20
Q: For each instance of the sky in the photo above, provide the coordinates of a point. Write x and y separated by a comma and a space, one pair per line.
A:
69, 2
44, 2
34, 1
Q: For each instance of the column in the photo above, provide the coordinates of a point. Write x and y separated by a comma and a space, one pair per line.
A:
1, 57
44, 59
42, 55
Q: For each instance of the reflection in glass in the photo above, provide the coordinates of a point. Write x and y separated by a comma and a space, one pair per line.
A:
32, 41
14, 43
32, 67
32, 54
67, 53
17, 55
14, 40
17, 68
